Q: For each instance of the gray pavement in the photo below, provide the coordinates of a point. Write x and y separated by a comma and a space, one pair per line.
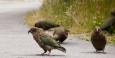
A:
15, 42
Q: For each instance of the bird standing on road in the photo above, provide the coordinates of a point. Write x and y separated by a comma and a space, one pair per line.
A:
45, 41
46, 25
98, 39
60, 34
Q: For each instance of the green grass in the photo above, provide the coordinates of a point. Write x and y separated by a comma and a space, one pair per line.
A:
79, 16
111, 39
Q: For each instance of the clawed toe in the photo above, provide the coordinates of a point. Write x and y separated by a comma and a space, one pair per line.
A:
42, 54
104, 52
48, 54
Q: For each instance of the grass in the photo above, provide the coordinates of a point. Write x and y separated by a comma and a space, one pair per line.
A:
111, 39
79, 16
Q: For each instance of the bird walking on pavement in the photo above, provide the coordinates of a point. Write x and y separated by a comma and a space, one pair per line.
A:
98, 39
45, 41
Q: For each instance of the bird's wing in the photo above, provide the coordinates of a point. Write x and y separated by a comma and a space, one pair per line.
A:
50, 25
49, 41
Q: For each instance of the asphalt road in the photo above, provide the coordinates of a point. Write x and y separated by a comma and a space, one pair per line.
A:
15, 42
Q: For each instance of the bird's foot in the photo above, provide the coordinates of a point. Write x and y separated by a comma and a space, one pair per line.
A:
60, 42
96, 51
104, 52
100, 52
43, 54
48, 54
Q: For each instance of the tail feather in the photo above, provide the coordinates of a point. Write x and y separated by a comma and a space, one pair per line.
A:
61, 49
57, 25
53, 25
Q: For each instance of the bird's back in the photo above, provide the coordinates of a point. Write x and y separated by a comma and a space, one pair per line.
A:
60, 34
60, 31
45, 25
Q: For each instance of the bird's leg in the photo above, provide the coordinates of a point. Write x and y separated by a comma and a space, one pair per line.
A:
44, 52
96, 51
60, 42
49, 52
104, 52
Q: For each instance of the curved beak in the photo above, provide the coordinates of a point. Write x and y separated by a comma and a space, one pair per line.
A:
97, 29
68, 31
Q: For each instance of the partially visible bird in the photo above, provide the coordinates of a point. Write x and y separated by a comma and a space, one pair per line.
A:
46, 25
109, 24
45, 41
60, 34
98, 39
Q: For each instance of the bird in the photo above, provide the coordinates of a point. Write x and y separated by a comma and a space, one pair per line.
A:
45, 25
109, 24
60, 34
45, 41
98, 39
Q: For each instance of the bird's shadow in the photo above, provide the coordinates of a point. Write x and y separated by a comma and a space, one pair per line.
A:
68, 43
94, 52
38, 55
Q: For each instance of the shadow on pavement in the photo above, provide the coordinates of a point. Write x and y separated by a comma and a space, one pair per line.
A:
38, 55
69, 42
94, 52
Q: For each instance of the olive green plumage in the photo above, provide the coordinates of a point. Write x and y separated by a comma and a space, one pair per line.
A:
60, 34
45, 41
46, 25
98, 39
109, 24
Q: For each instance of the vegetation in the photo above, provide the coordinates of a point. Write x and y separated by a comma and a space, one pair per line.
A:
79, 16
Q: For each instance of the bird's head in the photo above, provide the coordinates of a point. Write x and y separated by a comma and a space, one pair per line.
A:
113, 12
32, 30
97, 29
67, 30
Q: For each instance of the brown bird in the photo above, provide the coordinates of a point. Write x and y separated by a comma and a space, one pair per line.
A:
98, 39
60, 34
46, 25
45, 41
